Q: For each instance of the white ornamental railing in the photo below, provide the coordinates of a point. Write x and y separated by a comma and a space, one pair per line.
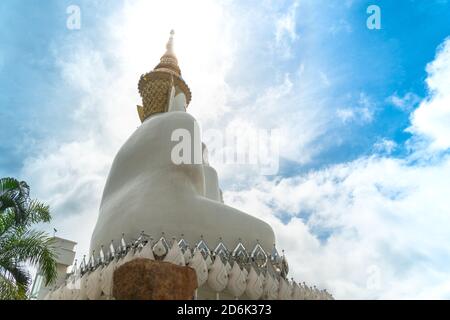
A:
238, 273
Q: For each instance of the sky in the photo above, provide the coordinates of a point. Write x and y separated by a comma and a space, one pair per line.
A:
360, 200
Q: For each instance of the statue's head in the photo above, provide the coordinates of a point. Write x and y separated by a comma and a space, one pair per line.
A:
158, 87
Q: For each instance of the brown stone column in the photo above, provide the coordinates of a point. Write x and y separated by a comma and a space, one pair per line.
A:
145, 279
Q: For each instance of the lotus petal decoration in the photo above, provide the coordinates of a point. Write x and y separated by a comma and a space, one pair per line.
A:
218, 276
237, 281
319, 295
285, 292
175, 255
119, 262
296, 291
208, 261
52, 295
305, 291
199, 265
146, 252
222, 252
76, 279
184, 245
70, 282
314, 293
254, 288
203, 248
129, 256
48, 295
240, 254
58, 293
66, 293
262, 279
259, 256
161, 248
272, 293
75, 294
83, 287
76, 289
228, 267
268, 281
187, 255
284, 266
93, 286
106, 279
275, 259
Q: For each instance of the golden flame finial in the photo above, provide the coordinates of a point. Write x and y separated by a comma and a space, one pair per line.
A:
169, 45
169, 60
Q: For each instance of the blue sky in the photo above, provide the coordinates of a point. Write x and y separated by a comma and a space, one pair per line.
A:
354, 103
31, 30
376, 62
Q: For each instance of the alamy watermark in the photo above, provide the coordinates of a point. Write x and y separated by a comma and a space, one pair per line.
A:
73, 21
374, 20
258, 148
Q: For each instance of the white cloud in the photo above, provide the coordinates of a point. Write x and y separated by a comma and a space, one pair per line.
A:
340, 26
70, 174
285, 30
377, 227
212, 41
366, 107
378, 212
406, 103
345, 114
363, 113
432, 118
385, 146
70, 178
379, 218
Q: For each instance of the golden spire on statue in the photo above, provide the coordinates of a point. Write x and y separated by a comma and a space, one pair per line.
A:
155, 87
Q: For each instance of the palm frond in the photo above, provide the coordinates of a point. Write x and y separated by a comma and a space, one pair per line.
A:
7, 184
37, 212
9, 289
7, 221
14, 187
18, 244
16, 272
34, 247
14, 195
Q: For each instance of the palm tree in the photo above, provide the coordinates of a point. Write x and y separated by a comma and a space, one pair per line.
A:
18, 243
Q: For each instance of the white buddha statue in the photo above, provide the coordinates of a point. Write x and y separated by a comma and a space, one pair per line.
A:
147, 191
